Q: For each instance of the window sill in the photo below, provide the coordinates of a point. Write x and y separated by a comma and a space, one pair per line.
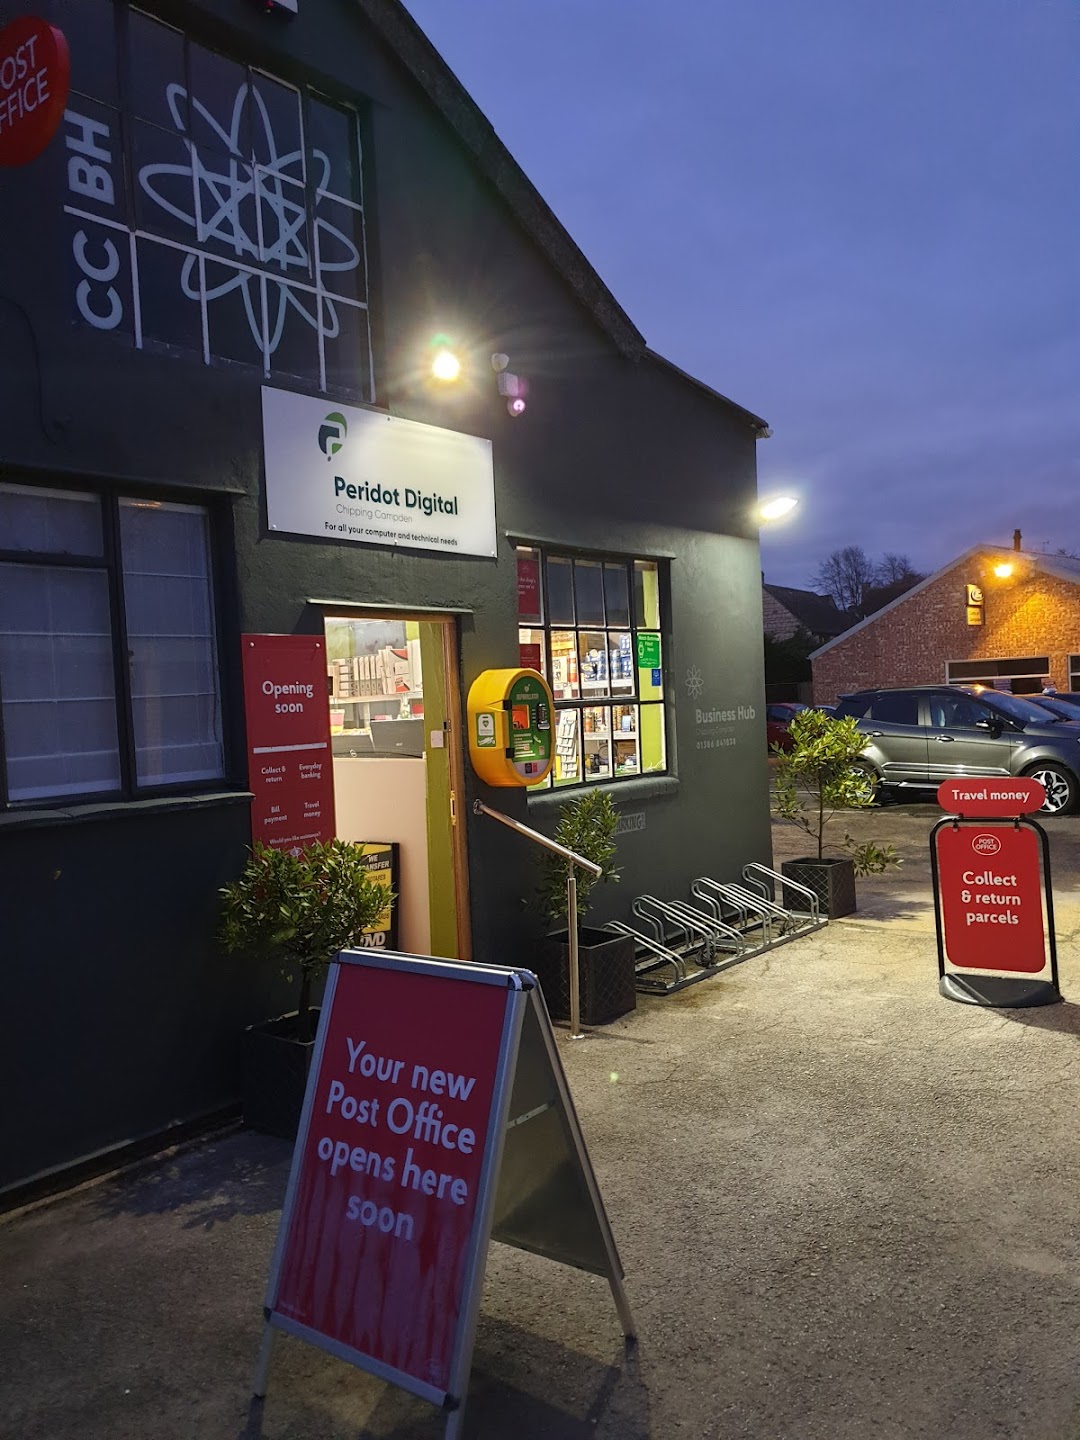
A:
646, 787
120, 809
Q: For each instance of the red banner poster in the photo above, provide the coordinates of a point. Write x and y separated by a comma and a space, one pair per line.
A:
530, 657
384, 1200
990, 889
528, 587
290, 769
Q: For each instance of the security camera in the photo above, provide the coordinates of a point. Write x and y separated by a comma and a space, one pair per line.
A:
499, 362
516, 406
510, 385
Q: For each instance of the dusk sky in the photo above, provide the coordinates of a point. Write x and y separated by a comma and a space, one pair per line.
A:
859, 219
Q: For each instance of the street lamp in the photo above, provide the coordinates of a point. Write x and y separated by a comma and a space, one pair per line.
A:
776, 508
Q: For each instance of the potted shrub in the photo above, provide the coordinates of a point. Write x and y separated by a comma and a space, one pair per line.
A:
296, 911
606, 973
820, 774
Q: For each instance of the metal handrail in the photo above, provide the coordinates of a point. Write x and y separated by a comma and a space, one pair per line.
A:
479, 808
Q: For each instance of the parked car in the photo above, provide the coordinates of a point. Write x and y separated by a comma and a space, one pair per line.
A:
777, 719
825, 709
1057, 705
920, 736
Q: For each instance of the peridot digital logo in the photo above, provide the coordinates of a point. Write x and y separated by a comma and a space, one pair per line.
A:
332, 434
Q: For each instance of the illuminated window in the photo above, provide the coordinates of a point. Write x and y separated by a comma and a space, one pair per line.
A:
591, 624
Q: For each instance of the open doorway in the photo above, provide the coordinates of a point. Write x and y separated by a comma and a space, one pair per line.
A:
398, 762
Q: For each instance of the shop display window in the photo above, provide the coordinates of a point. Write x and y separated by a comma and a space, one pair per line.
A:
592, 626
109, 676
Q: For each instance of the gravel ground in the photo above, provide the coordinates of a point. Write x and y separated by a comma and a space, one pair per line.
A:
846, 1208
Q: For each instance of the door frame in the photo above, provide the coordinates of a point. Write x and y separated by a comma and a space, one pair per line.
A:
454, 738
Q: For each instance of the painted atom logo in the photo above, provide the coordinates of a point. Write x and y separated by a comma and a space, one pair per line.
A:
256, 216
695, 683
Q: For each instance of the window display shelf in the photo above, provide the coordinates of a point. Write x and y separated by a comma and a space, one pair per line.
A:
376, 699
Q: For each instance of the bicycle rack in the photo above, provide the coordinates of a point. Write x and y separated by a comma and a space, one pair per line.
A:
725, 924
773, 885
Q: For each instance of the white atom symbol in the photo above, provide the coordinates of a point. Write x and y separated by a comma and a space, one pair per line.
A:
695, 682
218, 200
296, 852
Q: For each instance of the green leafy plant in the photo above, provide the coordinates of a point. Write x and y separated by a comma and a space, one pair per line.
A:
587, 825
820, 775
300, 910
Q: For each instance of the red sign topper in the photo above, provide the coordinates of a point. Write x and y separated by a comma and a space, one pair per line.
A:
375, 1248
290, 767
990, 893
986, 797
35, 72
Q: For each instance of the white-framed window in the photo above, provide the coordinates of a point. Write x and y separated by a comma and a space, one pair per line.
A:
1018, 675
108, 647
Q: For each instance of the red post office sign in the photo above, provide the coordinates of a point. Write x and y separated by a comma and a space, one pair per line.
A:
409, 1160
35, 73
1001, 797
375, 1256
990, 894
290, 766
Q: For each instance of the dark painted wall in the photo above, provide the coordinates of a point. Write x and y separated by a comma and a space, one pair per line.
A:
612, 454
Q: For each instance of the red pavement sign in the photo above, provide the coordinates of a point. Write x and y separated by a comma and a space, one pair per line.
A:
290, 770
990, 890
375, 1258
437, 1116
989, 797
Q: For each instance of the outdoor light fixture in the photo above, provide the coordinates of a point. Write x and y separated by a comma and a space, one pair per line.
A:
777, 507
445, 366
1004, 570
511, 387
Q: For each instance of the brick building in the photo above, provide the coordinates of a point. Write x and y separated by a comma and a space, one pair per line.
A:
1008, 618
784, 612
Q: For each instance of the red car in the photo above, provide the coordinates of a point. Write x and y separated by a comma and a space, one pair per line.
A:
777, 719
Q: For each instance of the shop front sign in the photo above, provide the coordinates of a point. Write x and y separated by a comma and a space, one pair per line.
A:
35, 72
510, 736
367, 478
290, 769
409, 1160
974, 605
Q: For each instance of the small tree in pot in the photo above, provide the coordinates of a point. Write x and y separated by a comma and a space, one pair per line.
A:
822, 773
296, 911
587, 826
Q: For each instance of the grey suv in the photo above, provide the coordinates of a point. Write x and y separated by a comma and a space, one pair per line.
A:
920, 736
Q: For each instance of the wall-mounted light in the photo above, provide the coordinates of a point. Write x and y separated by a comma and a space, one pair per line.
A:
1004, 570
445, 366
776, 507
511, 387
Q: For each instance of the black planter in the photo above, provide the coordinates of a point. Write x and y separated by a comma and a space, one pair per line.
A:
276, 1067
605, 971
831, 880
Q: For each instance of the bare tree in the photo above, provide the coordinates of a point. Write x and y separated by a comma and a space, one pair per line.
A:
846, 575
897, 570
